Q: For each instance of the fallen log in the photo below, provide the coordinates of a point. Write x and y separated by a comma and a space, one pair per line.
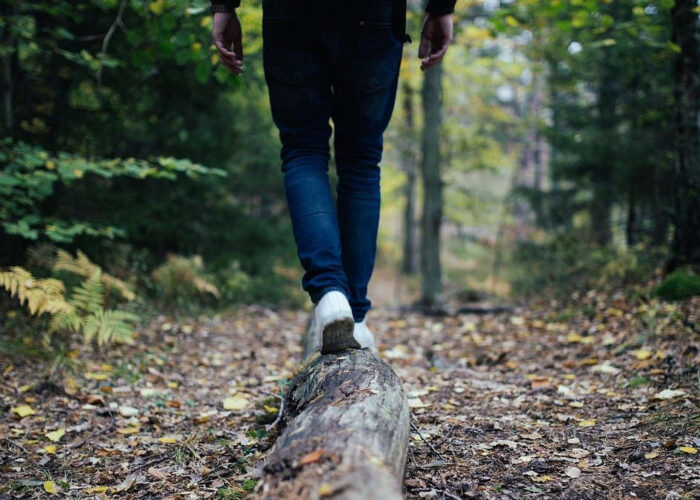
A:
346, 426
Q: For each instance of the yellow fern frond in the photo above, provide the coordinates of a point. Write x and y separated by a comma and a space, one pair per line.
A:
39, 295
83, 266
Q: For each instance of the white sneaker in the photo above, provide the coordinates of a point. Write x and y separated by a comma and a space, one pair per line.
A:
364, 336
332, 317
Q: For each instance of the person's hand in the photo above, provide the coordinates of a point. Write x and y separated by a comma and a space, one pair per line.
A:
226, 33
435, 39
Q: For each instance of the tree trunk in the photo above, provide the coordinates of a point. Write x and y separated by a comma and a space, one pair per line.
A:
431, 271
346, 436
409, 261
686, 210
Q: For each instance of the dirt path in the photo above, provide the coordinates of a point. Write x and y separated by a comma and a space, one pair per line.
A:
594, 401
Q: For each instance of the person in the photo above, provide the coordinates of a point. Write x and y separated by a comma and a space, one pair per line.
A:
333, 60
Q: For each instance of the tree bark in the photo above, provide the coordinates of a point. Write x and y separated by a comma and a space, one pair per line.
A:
409, 261
350, 411
431, 271
686, 210
347, 424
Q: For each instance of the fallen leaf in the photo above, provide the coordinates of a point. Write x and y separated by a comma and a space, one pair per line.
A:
669, 394
688, 449
56, 435
23, 411
128, 411
642, 354
167, 440
50, 449
236, 402
129, 430
312, 457
97, 490
50, 487
97, 376
651, 454
542, 479
573, 472
416, 403
606, 368
157, 473
325, 490
586, 423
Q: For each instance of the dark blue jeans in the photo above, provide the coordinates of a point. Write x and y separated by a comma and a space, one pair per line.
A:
341, 65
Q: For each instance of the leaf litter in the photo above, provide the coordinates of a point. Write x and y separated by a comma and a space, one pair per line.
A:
595, 397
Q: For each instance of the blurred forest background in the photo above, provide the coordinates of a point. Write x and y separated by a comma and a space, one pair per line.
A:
137, 174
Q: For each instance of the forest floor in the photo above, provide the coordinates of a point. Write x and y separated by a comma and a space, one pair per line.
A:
593, 398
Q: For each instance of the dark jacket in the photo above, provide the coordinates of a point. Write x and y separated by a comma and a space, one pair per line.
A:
398, 15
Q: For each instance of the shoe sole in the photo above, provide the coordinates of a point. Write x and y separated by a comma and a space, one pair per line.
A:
338, 336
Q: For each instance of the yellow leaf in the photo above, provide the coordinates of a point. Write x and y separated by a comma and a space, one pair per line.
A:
688, 449
586, 423
271, 409
129, 430
78, 173
236, 402
325, 490
157, 7
50, 165
50, 449
206, 21
55, 436
23, 411
96, 376
511, 21
652, 454
97, 489
542, 479
172, 385
642, 354
50, 487
573, 338
167, 440
196, 46
25, 388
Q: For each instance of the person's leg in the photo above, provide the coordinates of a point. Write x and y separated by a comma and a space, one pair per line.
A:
365, 91
302, 102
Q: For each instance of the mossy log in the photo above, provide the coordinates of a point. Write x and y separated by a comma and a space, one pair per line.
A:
346, 427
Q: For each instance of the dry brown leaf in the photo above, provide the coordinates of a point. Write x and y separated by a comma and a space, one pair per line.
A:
311, 457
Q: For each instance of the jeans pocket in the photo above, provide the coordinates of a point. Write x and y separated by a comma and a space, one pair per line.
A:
377, 57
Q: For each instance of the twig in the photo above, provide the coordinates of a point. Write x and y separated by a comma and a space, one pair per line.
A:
108, 37
29, 455
277, 420
413, 426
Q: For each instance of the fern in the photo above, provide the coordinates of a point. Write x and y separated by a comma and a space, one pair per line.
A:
39, 295
109, 326
84, 310
83, 266
87, 296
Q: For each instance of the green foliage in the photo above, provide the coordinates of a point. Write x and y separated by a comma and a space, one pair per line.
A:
31, 175
564, 263
84, 310
680, 284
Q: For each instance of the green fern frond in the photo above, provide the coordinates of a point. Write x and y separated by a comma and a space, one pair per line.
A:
83, 266
65, 321
109, 326
87, 296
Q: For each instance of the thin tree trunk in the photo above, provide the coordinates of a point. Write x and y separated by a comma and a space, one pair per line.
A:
686, 210
409, 261
431, 271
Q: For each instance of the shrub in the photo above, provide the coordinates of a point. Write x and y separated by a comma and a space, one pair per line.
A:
678, 285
